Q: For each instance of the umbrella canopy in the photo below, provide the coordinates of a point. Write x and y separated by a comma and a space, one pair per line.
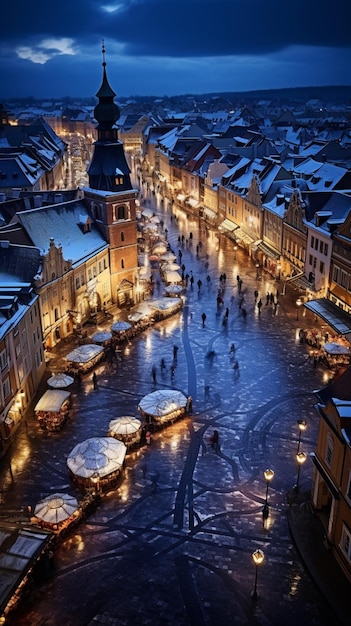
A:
96, 457
173, 277
150, 226
170, 267
52, 400
164, 304
125, 425
336, 348
159, 248
174, 289
101, 336
56, 508
120, 327
84, 353
169, 257
60, 380
162, 402
147, 212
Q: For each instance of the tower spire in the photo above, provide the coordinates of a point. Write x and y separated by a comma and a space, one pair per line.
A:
106, 111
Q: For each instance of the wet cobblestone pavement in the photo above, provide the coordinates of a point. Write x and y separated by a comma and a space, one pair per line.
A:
180, 554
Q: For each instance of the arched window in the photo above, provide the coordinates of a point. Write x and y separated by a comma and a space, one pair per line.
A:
122, 236
122, 264
121, 212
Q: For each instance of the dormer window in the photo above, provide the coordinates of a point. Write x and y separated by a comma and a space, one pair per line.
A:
118, 180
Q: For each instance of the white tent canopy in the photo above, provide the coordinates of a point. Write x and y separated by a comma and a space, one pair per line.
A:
97, 456
120, 326
101, 336
162, 402
125, 425
85, 353
52, 400
60, 380
56, 508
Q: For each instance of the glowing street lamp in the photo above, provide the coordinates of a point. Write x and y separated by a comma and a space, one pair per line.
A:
258, 558
299, 302
268, 474
300, 458
302, 424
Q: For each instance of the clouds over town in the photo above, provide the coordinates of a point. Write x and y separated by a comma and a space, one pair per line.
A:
162, 47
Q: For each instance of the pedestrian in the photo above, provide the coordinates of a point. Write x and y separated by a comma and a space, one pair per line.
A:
267, 299
259, 305
236, 368
232, 349
207, 392
153, 374
95, 384
175, 352
208, 278
256, 295
163, 365
226, 315
244, 313
214, 441
199, 283
191, 280
203, 316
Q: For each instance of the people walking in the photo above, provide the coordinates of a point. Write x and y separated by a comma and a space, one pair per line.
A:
203, 317
95, 383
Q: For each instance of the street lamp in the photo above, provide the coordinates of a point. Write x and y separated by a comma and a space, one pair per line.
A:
302, 424
300, 458
258, 558
298, 304
268, 474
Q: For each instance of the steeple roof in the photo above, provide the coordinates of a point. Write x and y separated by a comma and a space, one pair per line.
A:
106, 111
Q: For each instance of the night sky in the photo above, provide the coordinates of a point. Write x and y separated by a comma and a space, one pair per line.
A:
163, 47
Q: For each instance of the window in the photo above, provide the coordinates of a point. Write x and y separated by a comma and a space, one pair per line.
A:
348, 491
321, 246
316, 244
326, 249
312, 242
345, 543
3, 359
94, 271
311, 259
89, 274
122, 236
100, 267
329, 450
122, 264
321, 267
77, 282
6, 388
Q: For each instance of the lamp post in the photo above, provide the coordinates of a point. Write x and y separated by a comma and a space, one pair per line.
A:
302, 425
258, 558
268, 474
300, 458
298, 304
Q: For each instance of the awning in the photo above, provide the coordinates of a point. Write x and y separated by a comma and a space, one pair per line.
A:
301, 282
194, 203
338, 320
328, 481
52, 400
211, 214
241, 235
228, 225
272, 254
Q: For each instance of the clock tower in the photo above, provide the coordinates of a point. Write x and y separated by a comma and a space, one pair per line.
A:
112, 198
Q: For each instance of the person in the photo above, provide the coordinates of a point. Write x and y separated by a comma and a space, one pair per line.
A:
199, 283
214, 440
95, 380
259, 305
236, 368
153, 373
163, 365
175, 352
203, 316
207, 392
232, 349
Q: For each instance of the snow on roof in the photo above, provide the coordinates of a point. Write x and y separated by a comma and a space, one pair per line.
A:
61, 222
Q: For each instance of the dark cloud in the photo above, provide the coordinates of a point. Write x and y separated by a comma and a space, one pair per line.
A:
194, 28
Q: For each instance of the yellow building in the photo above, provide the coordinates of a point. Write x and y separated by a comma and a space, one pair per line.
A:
331, 492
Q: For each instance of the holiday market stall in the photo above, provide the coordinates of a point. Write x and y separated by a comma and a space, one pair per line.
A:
52, 409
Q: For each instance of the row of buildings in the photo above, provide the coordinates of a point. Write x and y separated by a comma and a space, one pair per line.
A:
279, 188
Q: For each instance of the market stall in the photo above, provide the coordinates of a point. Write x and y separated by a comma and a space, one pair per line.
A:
84, 358
164, 406
97, 463
60, 380
56, 512
164, 307
102, 337
52, 409
127, 429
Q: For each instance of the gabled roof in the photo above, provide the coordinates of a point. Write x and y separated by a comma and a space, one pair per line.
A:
62, 223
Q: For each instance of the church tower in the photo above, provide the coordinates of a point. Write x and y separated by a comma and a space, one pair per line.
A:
112, 198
